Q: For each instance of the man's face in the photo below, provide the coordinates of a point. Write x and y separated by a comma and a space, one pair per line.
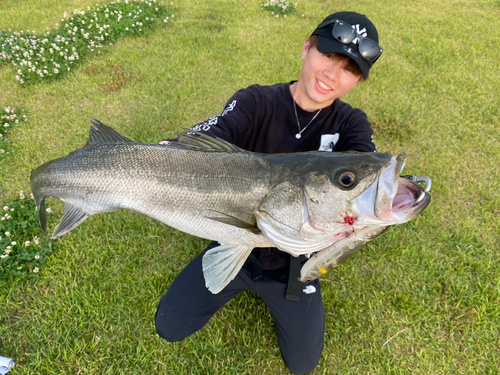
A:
324, 78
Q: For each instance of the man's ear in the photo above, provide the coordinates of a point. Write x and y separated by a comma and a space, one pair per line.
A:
305, 47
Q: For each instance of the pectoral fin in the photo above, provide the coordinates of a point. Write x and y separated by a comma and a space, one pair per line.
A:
71, 218
235, 222
221, 265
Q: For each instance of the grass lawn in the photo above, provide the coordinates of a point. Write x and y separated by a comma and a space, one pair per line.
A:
422, 299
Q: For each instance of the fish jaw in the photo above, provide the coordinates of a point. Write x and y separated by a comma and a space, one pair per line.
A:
391, 199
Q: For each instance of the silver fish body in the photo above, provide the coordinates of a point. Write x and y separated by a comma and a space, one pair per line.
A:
302, 203
178, 186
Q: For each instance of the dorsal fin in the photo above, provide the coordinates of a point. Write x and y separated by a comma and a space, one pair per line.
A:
100, 133
207, 142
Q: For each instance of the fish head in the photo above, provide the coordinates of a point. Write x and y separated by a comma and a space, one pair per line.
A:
334, 194
363, 189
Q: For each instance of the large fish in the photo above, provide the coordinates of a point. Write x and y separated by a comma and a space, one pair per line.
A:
322, 203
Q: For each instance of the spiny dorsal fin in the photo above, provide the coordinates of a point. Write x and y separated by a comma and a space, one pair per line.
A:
100, 133
207, 142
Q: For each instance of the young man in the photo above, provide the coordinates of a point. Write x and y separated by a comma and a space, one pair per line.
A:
298, 116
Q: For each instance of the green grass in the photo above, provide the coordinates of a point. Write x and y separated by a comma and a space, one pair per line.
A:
422, 299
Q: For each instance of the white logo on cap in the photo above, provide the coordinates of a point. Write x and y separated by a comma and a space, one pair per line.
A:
359, 32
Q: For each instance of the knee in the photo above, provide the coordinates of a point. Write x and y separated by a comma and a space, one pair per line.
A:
301, 363
169, 327
303, 367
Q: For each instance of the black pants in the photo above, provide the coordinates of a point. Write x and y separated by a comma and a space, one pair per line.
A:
300, 326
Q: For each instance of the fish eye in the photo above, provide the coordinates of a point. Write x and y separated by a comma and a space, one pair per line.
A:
346, 178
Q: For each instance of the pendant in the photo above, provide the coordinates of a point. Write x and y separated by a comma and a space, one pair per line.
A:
298, 136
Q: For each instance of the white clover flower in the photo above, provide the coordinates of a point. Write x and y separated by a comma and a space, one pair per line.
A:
37, 257
13, 243
7, 234
6, 208
36, 240
27, 243
4, 256
36, 270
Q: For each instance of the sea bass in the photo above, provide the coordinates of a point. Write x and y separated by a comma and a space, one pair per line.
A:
322, 203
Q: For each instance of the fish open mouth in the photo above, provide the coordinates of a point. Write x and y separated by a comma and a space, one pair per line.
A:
409, 196
400, 198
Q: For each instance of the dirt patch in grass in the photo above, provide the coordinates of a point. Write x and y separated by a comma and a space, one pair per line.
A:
110, 77
394, 128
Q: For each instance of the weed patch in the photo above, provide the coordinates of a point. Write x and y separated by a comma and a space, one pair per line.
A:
280, 8
9, 117
23, 249
43, 58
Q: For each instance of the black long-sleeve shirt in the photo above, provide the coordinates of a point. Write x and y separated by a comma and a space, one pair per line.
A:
262, 119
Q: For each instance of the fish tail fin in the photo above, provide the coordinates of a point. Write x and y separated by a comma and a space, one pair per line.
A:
42, 214
221, 265
71, 218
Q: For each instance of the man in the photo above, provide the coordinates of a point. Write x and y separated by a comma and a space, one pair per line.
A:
298, 116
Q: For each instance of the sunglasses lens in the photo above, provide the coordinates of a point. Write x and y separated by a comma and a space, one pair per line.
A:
369, 49
343, 32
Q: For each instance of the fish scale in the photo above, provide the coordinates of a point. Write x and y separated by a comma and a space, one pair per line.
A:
116, 180
211, 189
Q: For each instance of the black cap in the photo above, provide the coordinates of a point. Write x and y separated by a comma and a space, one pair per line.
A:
327, 43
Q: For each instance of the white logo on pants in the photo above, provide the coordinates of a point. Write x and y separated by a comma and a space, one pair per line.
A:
310, 289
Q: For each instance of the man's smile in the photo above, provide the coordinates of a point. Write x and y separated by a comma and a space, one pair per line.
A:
323, 85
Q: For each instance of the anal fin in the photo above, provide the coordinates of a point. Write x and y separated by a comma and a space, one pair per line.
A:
221, 265
71, 218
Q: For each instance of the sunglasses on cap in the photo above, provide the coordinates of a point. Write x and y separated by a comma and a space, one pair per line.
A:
346, 33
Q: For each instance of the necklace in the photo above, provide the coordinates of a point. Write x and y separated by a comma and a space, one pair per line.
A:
299, 134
